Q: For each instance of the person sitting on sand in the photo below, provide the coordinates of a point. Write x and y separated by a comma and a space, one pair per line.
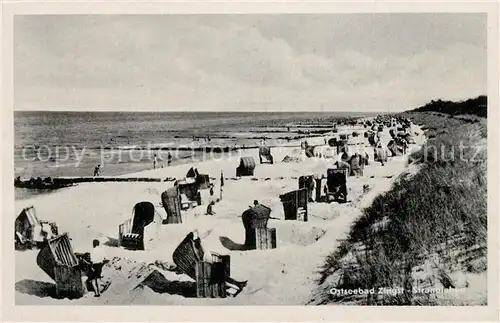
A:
210, 210
97, 261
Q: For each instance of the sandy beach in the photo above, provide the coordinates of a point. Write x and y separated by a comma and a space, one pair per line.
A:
282, 276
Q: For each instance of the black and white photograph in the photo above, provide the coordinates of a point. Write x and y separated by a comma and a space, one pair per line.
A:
306, 159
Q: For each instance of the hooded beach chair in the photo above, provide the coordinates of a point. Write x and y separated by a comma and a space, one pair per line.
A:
257, 235
246, 167
30, 231
60, 263
310, 151
373, 139
380, 155
201, 180
295, 204
192, 173
189, 193
210, 276
357, 164
336, 184
265, 156
396, 147
134, 233
342, 146
171, 202
307, 182
332, 142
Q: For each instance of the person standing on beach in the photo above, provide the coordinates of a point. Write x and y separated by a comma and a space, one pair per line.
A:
97, 169
169, 159
97, 261
155, 161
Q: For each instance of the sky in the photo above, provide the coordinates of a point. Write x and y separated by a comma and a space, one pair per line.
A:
309, 62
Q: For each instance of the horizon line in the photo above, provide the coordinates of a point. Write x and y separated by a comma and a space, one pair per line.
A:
212, 111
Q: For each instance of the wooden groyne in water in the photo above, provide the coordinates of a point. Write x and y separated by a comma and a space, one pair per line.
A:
60, 182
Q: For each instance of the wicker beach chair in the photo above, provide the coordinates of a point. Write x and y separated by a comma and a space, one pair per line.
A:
380, 155
265, 156
188, 253
171, 202
246, 167
210, 276
295, 204
30, 231
60, 263
308, 183
357, 163
189, 192
131, 232
336, 184
254, 219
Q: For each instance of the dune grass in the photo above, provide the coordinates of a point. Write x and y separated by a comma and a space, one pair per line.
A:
443, 207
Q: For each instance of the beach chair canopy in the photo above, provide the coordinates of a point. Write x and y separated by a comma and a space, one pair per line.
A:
332, 142
380, 154
247, 163
171, 202
372, 139
306, 181
57, 252
203, 181
396, 147
336, 177
265, 151
256, 217
192, 173
144, 213
342, 164
345, 157
188, 187
297, 197
188, 253
26, 220
356, 161
309, 151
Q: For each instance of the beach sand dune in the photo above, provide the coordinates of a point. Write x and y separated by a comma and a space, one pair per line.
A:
283, 276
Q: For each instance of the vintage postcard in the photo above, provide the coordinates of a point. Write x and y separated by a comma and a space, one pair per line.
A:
236, 161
